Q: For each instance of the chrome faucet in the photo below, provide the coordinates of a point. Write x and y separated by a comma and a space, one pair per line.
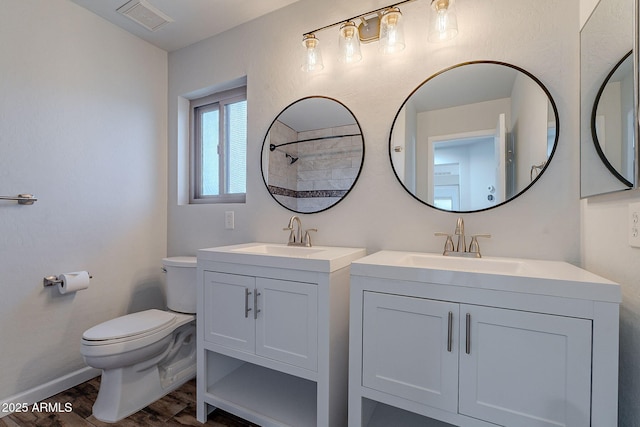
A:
461, 249
292, 235
296, 239
462, 244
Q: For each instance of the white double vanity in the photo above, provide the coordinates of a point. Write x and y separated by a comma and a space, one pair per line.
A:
273, 333
422, 339
481, 342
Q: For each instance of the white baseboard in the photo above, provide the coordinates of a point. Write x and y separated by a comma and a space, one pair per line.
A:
49, 389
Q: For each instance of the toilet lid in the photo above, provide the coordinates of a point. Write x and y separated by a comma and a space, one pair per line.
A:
180, 261
131, 325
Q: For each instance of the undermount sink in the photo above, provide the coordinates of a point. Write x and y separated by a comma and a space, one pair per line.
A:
513, 274
275, 249
477, 265
316, 258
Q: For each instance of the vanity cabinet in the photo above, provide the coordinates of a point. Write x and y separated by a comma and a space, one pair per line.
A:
277, 319
522, 344
272, 328
502, 366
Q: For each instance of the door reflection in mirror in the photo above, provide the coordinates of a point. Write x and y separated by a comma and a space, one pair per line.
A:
470, 136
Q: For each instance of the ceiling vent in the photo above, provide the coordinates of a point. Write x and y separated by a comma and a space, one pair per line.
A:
144, 14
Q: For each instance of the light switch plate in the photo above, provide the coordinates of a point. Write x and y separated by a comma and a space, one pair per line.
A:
633, 226
229, 222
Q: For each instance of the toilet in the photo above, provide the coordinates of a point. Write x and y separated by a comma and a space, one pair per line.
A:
145, 355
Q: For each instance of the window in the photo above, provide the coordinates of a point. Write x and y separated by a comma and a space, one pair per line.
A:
219, 148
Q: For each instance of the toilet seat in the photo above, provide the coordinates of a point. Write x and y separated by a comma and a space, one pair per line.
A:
151, 326
129, 327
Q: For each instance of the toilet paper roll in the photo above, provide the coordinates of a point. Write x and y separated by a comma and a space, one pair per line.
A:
73, 282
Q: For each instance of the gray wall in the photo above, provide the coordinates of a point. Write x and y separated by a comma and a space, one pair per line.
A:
83, 127
540, 37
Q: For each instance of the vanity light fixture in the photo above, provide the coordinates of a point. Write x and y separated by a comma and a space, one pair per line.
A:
384, 25
391, 31
312, 54
349, 43
443, 22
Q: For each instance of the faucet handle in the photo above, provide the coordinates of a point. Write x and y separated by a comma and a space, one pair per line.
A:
474, 247
307, 237
448, 244
292, 236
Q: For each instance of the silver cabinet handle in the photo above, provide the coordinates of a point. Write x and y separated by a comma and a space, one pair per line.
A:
256, 310
247, 309
468, 343
450, 333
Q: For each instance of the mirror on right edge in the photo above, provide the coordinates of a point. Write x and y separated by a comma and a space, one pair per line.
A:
474, 136
608, 129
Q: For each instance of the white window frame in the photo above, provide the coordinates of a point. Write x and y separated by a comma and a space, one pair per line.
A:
216, 101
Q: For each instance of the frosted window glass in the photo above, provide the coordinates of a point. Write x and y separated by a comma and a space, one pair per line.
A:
210, 158
236, 123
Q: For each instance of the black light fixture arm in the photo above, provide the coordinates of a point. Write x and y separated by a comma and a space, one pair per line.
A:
371, 12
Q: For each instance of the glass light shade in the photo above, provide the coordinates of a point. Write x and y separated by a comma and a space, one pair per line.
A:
349, 43
312, 55
443, 22
391, 31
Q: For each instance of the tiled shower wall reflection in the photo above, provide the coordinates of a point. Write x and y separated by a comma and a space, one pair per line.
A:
323, 172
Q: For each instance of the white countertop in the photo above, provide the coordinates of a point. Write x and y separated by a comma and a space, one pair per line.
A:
316, 258
554, 278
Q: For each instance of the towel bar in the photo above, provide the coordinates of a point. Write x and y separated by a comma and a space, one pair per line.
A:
22, 199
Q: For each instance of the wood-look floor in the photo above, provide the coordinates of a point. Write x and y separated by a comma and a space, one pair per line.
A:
175, 409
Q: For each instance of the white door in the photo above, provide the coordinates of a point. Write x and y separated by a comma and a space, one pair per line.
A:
500, 159
228, 316
410, 349
287, 322
525, 369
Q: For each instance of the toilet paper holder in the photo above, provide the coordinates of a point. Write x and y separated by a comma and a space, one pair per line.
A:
54, 281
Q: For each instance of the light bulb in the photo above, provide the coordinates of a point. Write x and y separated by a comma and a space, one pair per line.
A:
443, 22
391, 31
349, 43
312, 55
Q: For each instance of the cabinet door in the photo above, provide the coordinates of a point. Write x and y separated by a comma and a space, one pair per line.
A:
228, 316
410, 349
525, 369
287, 322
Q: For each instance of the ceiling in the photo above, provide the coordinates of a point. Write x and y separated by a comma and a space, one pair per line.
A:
470, 84
316, 113
193, 20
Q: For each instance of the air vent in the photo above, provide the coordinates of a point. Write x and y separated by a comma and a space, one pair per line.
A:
144, 14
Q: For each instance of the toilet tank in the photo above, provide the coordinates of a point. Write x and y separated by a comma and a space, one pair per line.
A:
181, 283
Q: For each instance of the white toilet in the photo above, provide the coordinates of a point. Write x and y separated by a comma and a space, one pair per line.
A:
145, 355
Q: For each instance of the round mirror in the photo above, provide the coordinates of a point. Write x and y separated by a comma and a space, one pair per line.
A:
612, 121
312, 154
474, 136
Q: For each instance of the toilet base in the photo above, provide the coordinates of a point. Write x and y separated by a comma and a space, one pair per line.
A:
127, 390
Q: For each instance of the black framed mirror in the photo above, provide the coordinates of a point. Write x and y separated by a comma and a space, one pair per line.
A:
312, 154
608, 84
474, 136
613, 122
